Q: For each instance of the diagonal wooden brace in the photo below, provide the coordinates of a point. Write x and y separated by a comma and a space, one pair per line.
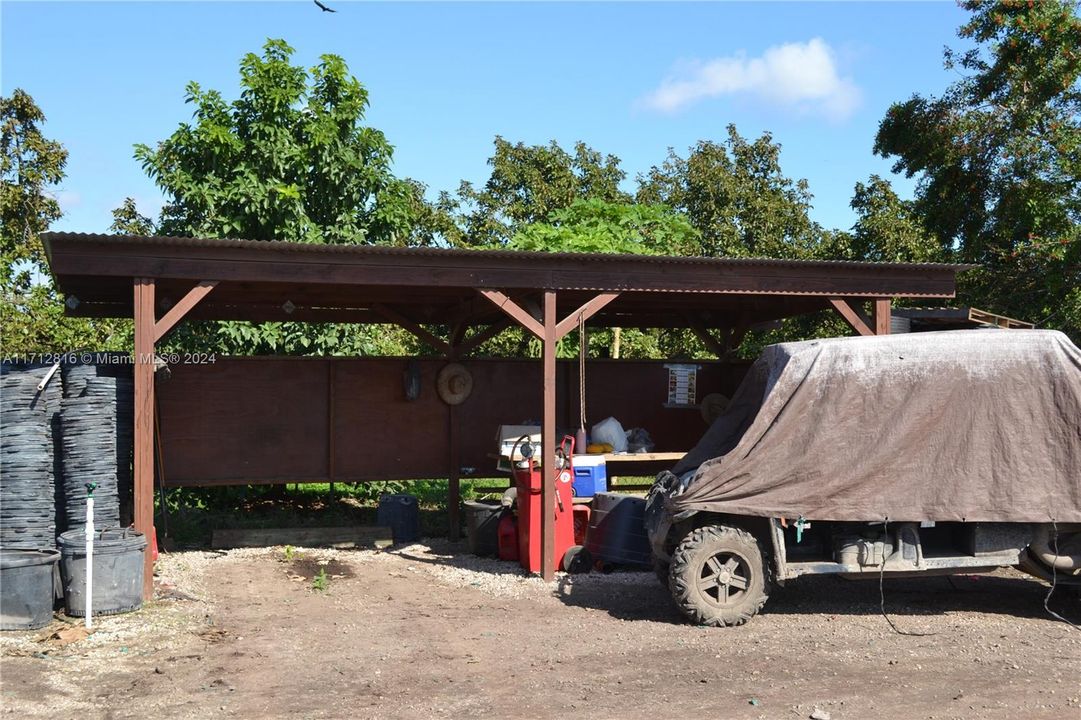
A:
516, 311
398, 319
472, 342
177, 312
853, 315
588, 310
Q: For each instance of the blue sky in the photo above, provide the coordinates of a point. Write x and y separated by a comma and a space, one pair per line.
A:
445, 78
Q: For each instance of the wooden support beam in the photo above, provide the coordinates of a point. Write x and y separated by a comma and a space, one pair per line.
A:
735, 336
853, 315
454, 496
548, 440
457, 333
177, 312
588, 310
702, 333
513, 309
471, 343
397, 318
332, 379
353, 536
882, 316
144, 425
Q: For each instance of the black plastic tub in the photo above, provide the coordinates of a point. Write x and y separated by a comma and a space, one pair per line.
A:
27, 588
482, 527
617, 530
118, 571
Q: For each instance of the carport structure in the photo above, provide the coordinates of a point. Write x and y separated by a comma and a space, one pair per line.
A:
473, 294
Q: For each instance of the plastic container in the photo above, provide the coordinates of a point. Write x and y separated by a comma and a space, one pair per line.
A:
617, 532
590, 475
118, 571
27, 588
508, 537
401, 513
482, 527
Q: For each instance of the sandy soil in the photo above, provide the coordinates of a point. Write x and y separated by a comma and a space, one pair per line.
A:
423, 632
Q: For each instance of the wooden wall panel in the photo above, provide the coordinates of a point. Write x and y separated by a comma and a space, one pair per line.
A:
244, 421
264, 420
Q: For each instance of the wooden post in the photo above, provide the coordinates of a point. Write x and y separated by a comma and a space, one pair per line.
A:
144, 424
454, 496
882, 316
549, 440
331, 450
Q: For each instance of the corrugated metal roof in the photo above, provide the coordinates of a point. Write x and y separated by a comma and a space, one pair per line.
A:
436, 252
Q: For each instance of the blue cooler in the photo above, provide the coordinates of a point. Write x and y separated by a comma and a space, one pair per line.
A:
590, 475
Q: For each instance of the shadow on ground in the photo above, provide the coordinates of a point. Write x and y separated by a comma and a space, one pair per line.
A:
636, 595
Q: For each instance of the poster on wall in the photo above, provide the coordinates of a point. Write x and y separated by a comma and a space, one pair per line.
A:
682, 385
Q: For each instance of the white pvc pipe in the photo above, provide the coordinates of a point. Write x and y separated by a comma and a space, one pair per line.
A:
88, 594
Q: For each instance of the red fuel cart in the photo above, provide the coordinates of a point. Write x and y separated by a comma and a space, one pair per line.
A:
528, 481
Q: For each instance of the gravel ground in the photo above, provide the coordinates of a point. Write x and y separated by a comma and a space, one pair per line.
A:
426, 631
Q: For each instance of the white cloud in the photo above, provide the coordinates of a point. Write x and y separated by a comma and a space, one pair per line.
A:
67, 199
799, 76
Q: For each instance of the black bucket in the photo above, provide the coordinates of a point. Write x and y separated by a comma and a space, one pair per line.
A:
400, 513
27, 588
482, 527
617, 530
118, 571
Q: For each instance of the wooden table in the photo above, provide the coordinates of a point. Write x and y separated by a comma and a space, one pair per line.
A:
643, 457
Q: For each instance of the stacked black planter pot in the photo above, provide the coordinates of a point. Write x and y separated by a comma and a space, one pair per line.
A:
96, 422
29, 427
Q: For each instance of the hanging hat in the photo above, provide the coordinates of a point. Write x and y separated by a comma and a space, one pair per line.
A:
454, 384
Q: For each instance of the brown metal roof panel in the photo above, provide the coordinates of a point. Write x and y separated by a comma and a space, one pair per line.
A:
435, 252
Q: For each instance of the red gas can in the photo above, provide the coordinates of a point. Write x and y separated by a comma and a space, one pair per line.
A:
528, 480
508, 537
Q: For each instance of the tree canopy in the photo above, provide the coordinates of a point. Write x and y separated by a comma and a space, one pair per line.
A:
31, 170
737, 197
290, 159
526, 185
596, 226
998, 159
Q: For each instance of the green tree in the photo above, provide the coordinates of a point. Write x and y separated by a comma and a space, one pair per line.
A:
31, 312
604, 227
527, 183
32, 165
127, 220
288, 160
736, 195
998, 158
887, 229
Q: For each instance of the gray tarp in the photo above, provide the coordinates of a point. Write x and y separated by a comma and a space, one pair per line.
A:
977, 425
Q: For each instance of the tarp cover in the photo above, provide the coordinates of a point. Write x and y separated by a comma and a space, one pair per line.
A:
976, 425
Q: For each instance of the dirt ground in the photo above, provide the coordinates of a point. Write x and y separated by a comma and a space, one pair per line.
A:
428, 632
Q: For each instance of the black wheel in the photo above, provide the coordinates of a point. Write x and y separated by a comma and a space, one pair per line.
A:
718, 576
661, 569
577, 560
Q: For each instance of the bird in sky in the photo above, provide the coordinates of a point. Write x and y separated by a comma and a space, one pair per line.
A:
323, 7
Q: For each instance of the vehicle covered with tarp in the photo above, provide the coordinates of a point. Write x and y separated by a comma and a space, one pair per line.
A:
912, 452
